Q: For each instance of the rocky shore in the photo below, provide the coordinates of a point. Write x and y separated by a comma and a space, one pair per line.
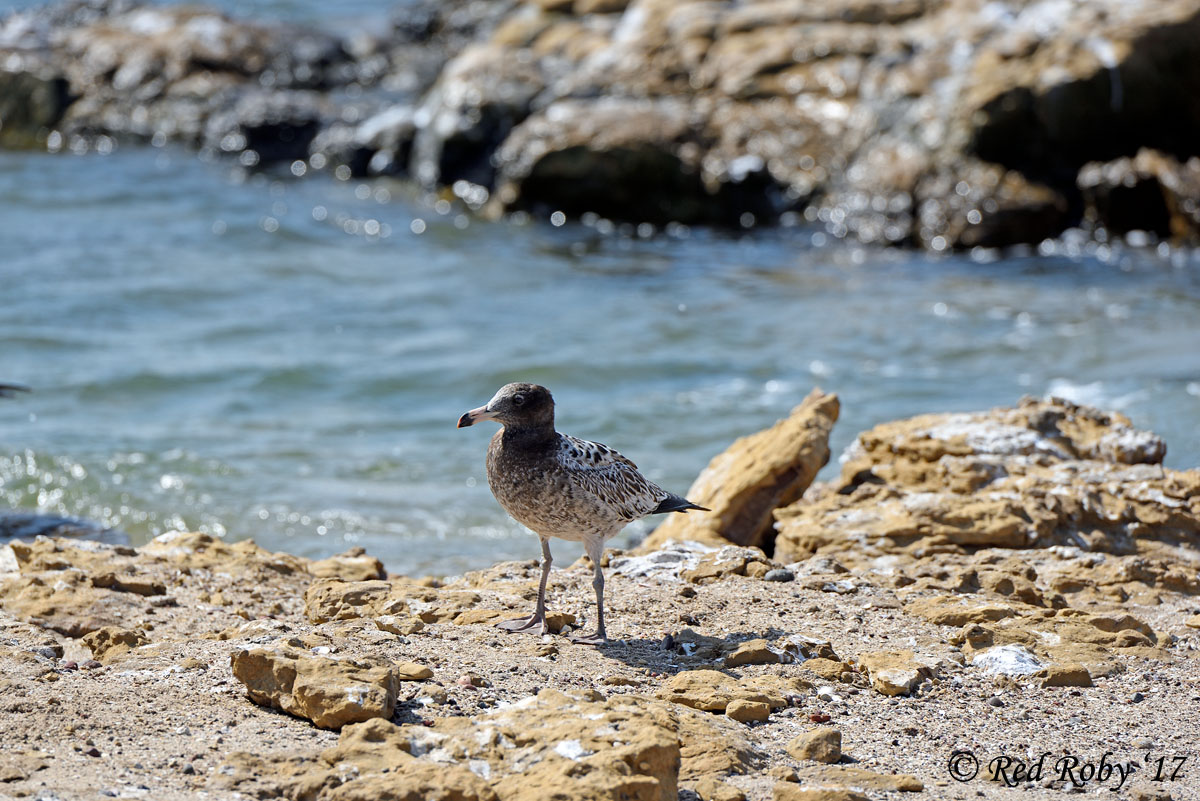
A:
1019, 586
931, 123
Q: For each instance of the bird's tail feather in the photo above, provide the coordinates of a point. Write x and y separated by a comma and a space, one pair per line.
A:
675, 503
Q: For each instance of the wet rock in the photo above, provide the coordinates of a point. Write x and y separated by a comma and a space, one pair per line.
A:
480, 96
819, 745
1150, 192
754, 476
32, 101
894, 672
330, 692
111, 643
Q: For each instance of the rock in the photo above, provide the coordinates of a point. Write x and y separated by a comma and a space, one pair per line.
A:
16, 766
711, 691
757, 474
748, 711
1043, 474
829, 669
621, 747
111, 643
399, 624
1007, 660
779, 574
1193, 622
711, 789
329, 692
32, 101
480, 96
792, 792
1065, 676
755, 652
893, 672
860, 779
819, 745
352, 565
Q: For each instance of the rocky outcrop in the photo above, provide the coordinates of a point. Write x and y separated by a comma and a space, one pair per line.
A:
757, 474
926, 123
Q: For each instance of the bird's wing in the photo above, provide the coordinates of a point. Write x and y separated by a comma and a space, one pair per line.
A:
608, 475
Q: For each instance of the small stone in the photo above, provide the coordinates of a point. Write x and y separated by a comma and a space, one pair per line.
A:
1137, 698
995, 701
818, 717
90, 664
819, 745
473, 680
748, 711
1071, 675
779, 574
783, 773
1143, 744
188, 770
92, 752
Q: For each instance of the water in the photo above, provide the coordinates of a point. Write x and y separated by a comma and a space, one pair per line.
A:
286, 359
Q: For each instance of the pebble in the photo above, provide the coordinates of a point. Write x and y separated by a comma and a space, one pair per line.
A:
90, 664
779, 574
1137, 698
473, 680
92, 752
995, 701
818, 717
188, 770
1143, 744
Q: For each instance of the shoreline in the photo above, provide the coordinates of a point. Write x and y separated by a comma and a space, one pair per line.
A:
192, 664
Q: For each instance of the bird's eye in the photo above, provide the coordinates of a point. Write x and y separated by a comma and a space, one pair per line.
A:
518, 400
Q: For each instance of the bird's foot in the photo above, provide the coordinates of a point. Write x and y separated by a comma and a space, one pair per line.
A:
522, 623
596, 638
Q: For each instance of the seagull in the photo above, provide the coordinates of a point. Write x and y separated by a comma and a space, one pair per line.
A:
562, 486
10, 390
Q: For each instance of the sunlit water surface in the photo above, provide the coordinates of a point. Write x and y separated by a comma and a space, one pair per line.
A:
286, 359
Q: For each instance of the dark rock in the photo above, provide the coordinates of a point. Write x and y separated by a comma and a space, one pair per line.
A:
32, 101
1150, 192
28, 526
479, 98
779, 574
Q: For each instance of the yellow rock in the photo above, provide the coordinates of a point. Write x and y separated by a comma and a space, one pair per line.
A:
755, 475
329, 692
819, 745
748, 711
111, 642
353, 565
1065, 676
893, 672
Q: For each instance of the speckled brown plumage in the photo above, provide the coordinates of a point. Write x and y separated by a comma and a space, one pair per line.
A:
561, 486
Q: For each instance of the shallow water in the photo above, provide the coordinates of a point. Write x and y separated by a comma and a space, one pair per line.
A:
286, 359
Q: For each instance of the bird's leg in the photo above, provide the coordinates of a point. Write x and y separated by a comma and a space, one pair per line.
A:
539, 612
594, 551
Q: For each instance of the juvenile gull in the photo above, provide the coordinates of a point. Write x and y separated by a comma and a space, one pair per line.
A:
561, 486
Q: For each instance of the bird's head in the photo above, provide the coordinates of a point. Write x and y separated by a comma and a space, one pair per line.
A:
516, 405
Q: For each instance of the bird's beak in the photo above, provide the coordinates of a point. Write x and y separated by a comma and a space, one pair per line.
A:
474, 416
